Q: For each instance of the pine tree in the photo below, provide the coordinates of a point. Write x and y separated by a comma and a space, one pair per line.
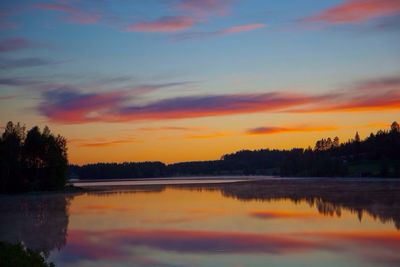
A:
357, 138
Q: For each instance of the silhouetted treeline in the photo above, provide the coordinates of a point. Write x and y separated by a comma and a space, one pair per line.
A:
32, 160
377, 155
119, 170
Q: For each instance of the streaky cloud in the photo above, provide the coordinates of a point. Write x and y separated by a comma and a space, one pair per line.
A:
170, 128
208, 135
227, 31
15, 44
15, 82
107, 143
74, 14
72, 106
6, 63
370, 95
356, 11
205, 7
243, 28
164, 24
275, 130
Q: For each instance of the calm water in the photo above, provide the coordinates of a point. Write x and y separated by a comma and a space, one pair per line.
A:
253, 223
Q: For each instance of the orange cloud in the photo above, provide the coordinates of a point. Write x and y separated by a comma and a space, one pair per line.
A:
357, 11
275, 130
170, 128
372, 95
380, 125
366, 103
207, 136
102, 143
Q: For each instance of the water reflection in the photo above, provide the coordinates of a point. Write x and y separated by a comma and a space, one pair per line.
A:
380, 199
284, 223
40, 221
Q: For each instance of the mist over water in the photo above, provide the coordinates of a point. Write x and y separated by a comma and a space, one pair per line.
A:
280, 222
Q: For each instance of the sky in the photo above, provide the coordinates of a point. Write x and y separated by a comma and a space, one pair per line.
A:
185, 80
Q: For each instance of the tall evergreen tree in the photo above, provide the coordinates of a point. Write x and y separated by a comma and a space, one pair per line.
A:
32, 161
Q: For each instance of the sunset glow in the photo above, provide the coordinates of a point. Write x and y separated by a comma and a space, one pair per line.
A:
185, 80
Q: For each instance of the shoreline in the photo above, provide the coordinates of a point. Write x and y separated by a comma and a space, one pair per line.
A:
84, 186
129, 184
201, 180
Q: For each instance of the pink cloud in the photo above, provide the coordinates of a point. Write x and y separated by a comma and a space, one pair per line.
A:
357, 11
13, 44
205, 7
230, 30
164, 24
7, 25
72, 106
243, 28
57, 7
369, 96
75, 15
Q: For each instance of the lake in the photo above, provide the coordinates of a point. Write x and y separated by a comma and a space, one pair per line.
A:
267, 222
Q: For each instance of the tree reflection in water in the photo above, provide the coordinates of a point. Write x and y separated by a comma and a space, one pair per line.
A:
379, 198
40, 222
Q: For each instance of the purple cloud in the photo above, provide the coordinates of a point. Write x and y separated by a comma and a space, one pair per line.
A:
74, 107
15, 44
6, 63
